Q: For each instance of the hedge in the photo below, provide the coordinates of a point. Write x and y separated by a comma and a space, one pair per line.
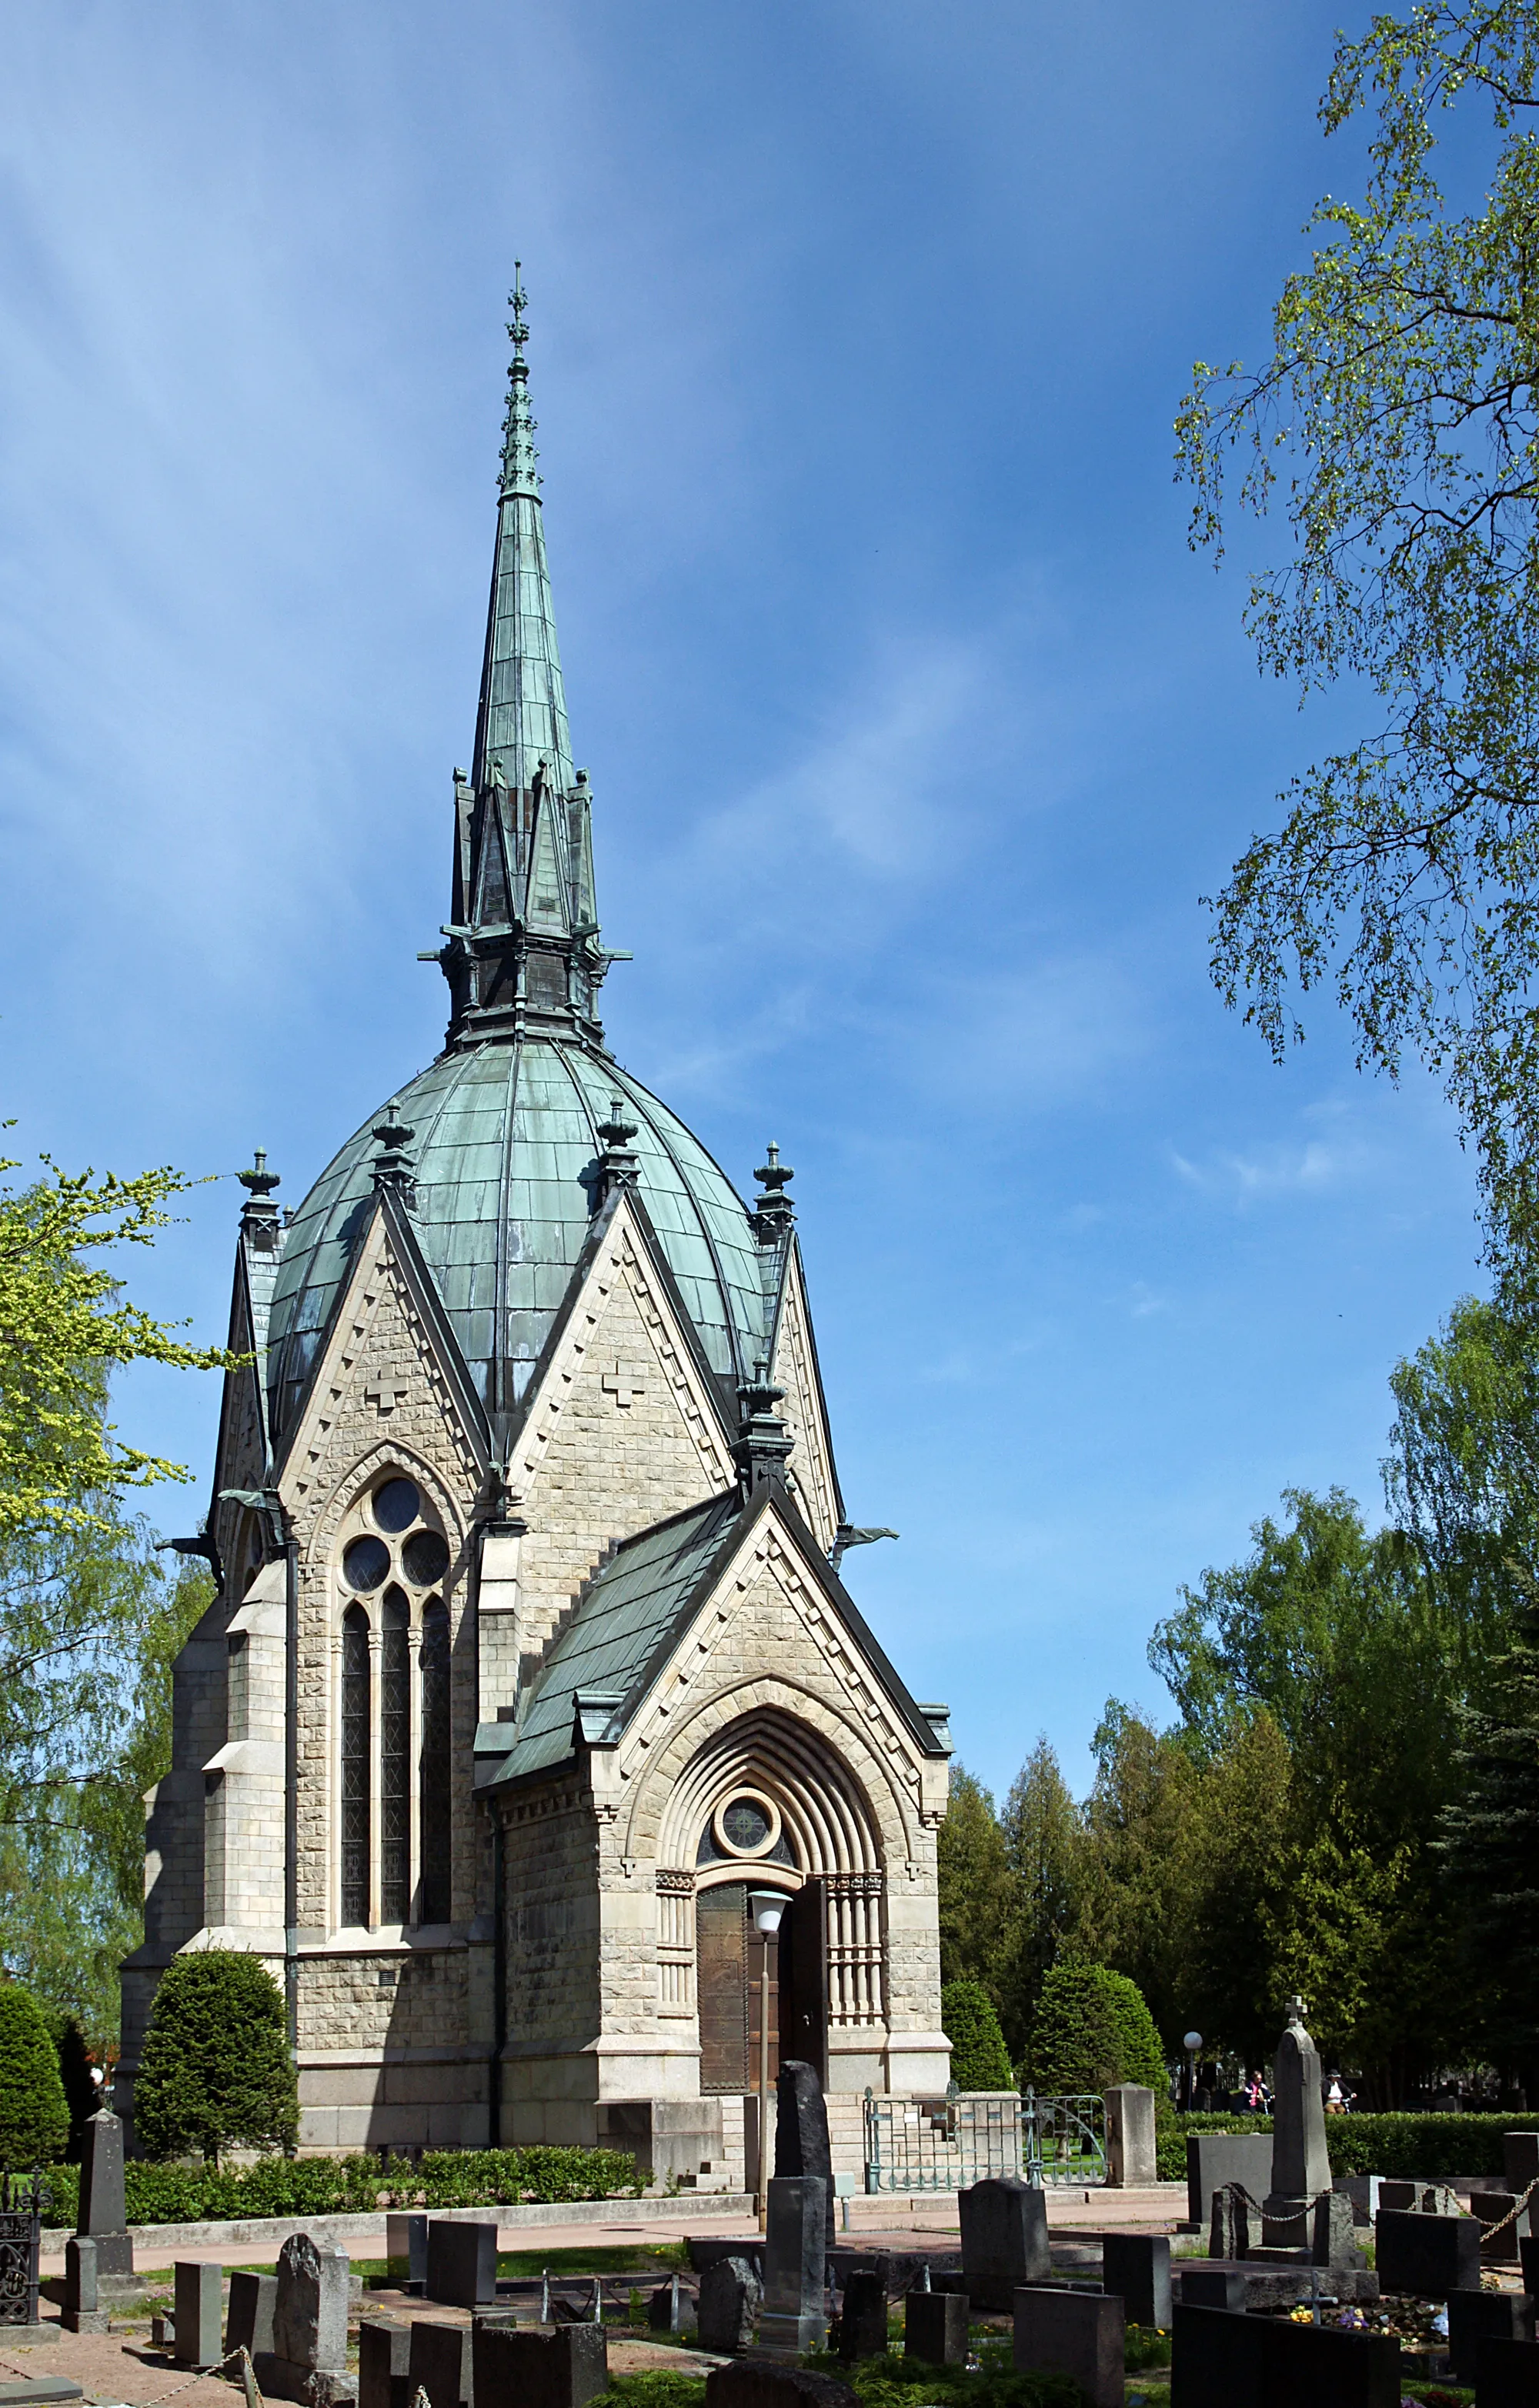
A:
1433, 2145
979, 2057
356, 2185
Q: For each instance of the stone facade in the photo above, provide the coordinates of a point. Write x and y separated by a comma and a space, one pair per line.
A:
527, 1641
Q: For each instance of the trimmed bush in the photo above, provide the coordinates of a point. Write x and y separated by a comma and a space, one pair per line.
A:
1091, 2029
216, 2072
1402, 2146
358, 2185
80, 2097
979, 2057
1142, 2058
34, 2114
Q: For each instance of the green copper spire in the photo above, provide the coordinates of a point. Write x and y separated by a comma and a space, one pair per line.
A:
523, 946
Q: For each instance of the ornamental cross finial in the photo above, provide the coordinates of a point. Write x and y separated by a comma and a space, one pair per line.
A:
518, 450
1293, 2008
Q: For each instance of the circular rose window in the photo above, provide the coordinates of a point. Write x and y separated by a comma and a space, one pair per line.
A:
748, 1825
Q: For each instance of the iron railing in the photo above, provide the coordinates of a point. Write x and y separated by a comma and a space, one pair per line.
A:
21, 2205
1065, 2138
933, 2144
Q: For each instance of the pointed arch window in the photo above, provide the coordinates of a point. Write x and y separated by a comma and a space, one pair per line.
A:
355, 1765
396, 1759
437, 1835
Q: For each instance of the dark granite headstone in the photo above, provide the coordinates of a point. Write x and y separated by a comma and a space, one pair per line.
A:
384, 2362
754, 2385
1318, 2366
935, 2327
1215, 2159
1428, 2255
543, 2366
1474, 2316
729, 2307
801, 2129
102, 2207
1495, 2207
1506, 2374
1136, 2266
794, 2318
248, 2324
462, 2263
1520, 2158
863, 2316
440, 2361
1082, 2334
1228, 2231
199, 2296
1213, 2287
405, 2250
1215, 2358
1334, 2239
1004, 2241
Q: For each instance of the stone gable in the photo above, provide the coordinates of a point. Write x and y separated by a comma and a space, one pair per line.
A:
810, 1474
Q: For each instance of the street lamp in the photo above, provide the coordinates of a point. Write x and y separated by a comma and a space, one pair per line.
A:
1191, 2043
766, 1906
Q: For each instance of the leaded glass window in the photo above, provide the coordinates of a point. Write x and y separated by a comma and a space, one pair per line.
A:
436, 1886
355, 1768
395, 1761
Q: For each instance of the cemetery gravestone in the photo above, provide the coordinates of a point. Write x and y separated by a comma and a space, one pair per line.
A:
935, 2327
1215, 2358
728, 2305
1131, 2159
1300, 2167
559, 2365
102, 2216
1506, 2374
1136, 2267
754, 2385
801, 2131
462, 2263
1229, 2234
199, 2297
1216, 2159
405, 2250
1474, 2316
384, 2362
249, 2323
81, 2311
1004, 2241
1428, 2255
668, 2310
1318, 2366
1082, 2334
793, 2317
309, 2358
1491, 2208
863, 2316
1334, 2236
439, 2362
1213, 2287
1520, 2158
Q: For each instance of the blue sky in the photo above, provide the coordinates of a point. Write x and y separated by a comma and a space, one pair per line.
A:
915, 732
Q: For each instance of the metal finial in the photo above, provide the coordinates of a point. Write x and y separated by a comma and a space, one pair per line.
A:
259, 1179
518, 452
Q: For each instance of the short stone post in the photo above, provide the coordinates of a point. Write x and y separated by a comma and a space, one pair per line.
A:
384, 2362
935, 2327
794, 2317
199, 2297
406, 2251
1131, 2161
668, 2310
462, 2263
440, 2361
1004, 2241
1136, 2268
81, 2311
1082, 2334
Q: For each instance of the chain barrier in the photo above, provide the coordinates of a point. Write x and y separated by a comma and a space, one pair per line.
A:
1487, 2232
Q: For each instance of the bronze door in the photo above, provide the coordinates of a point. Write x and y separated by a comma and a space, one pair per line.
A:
730, 1961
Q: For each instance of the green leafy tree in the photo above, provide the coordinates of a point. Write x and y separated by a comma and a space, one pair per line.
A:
1396, 421
64, 1327
1044, 1848
1491, 1838
979, 1895
34, 2115
979, 2057
1140, 1859
216, 2072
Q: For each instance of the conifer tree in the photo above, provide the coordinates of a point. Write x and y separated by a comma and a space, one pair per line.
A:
1490, 1833
33, 2117
216, 2072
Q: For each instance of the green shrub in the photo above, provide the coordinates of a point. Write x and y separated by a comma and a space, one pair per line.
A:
1092, 2030
1398, 2145
34, 2113
80, 2097
216, 2072
356, 2185
979, 2057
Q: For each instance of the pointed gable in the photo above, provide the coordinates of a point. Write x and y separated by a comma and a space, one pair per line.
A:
793, 1367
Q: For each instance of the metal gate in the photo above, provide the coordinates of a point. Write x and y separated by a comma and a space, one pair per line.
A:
934, 2144
21, 2205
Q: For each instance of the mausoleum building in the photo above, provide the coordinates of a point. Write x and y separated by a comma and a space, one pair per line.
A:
530, 1664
